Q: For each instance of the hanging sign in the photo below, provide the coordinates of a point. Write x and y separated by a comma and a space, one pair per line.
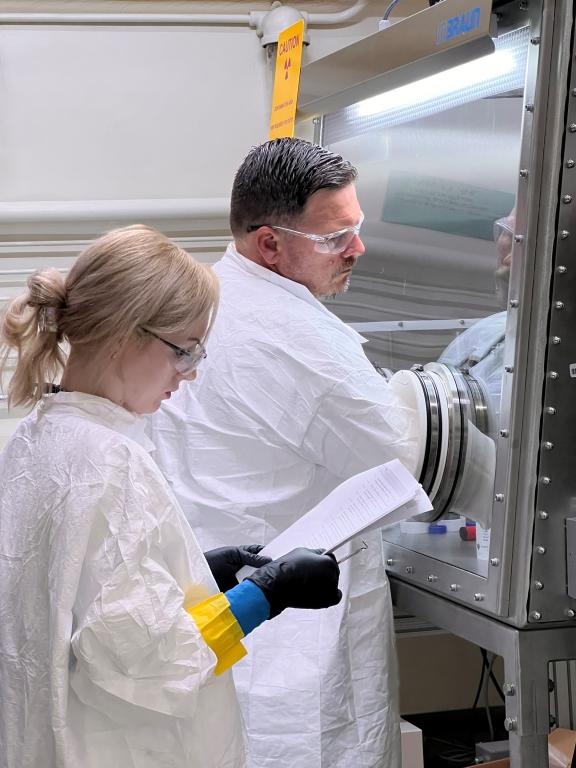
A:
286, 81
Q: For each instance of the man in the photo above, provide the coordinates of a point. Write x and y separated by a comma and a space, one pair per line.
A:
480, 349
284, 409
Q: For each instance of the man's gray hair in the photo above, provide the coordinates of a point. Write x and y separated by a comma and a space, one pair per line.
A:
277, 178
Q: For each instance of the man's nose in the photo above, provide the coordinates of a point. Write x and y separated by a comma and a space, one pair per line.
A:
356, 247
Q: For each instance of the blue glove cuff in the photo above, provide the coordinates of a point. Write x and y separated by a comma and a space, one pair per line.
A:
248, 604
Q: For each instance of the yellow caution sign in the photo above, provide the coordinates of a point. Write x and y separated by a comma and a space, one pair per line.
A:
286, 81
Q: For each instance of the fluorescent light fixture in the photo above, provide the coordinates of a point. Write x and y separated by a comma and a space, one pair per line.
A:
501, 72
452, 81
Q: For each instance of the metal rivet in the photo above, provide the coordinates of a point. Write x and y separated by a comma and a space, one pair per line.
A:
556, 339
564, 234
514, 303
572, 127
542, 514
536, 615
509, 368
432, 578
510, 723
409, 569
540, 550
504, 433
566, 199
499, 497
538, 585
569, 613
562, 271
390, 561
529, 107
518, 238
509, 689
454, 587
553, 375
524, 173
546, 480
550, 410
570, 163
478, 597
494, 561
547, 445
535, 40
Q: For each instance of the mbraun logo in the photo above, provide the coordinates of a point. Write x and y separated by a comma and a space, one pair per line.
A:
458, 25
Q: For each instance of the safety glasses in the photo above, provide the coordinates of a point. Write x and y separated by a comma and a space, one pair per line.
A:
187, 360
503, 226
333, 243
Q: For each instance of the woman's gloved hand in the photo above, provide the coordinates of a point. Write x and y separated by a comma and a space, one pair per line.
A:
304, 578
224, 562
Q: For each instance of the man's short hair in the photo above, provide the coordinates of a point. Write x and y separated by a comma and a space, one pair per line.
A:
277, 178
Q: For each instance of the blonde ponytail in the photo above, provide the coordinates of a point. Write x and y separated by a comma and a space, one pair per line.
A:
30, 328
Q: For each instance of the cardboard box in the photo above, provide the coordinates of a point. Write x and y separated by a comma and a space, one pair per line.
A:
561, 746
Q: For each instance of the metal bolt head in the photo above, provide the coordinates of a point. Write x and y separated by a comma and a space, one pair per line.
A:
504, 433
572, 127
389, 561
417, 367
542, 514
432, 578
569, 613
510, 724
540, 550
547, 445
546, 480
535, 615
550, 410
555, 340
573, 91
562, 271
535, 40
514, 303
529, 107
553, 375
454, 587
538, 585
518, 238
509, 689
524, 173
499, 497
409, 569
478, 597
494, 561
566, 199
570, 163
564, 234
509, 368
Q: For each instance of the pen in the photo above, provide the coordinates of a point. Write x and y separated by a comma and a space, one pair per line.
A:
364, 546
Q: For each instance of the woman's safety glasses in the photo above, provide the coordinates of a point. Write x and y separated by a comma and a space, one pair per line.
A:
334, 243
187, 360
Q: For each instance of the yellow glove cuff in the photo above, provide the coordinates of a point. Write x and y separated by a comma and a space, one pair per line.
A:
220, 630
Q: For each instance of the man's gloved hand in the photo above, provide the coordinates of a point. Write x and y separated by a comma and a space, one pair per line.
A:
225, 561
304, 578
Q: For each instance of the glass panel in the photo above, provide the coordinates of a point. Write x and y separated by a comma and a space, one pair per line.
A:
437, 185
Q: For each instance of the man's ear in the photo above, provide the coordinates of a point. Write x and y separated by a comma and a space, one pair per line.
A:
268, 245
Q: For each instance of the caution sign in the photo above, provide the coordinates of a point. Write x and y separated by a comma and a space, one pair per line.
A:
286, 80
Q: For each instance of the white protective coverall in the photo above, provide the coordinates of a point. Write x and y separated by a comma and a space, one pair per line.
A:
100, 665
286, 407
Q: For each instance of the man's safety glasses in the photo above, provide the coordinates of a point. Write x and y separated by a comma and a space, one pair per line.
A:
187, 360
503, 226
334, 243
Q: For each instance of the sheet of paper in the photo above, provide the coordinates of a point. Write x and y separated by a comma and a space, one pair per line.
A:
374, 498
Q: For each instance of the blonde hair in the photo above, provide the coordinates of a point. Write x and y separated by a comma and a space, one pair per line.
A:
130, 278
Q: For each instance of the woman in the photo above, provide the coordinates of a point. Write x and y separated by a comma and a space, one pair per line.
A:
114, 638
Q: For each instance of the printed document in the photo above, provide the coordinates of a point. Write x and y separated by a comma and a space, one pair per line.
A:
371, 499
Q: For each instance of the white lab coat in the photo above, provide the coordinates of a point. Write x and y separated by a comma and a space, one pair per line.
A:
100, 665
285, 407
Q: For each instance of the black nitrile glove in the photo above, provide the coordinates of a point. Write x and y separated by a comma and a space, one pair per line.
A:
304, 578
225, 561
